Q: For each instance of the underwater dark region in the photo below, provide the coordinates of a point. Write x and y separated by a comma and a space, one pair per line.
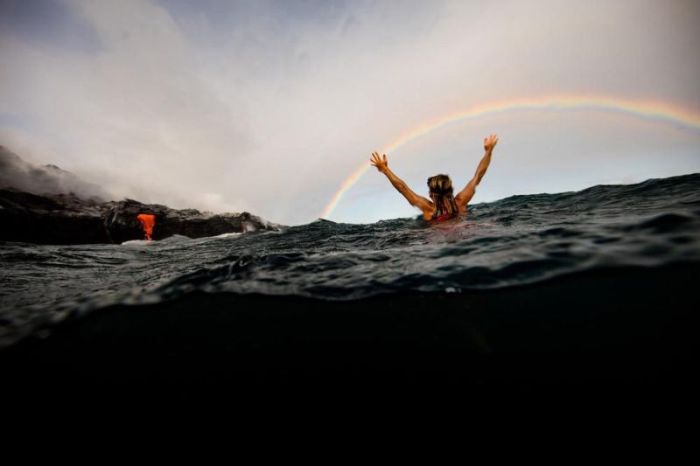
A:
594, 288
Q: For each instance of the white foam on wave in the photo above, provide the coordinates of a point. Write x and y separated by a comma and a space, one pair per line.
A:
227, 235
169, 240
137, 242
176, 239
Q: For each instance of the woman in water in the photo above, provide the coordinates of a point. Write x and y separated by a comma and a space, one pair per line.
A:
442, 205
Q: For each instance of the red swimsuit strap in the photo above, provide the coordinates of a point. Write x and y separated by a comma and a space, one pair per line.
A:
442, 217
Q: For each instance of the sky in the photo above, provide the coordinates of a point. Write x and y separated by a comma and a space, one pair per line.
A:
269, 106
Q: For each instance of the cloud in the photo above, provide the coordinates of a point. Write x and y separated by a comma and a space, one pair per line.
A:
48, 179
267, 106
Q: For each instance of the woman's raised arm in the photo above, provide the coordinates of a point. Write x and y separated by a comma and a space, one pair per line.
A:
382, 164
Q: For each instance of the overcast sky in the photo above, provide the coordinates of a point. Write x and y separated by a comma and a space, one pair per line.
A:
267, 106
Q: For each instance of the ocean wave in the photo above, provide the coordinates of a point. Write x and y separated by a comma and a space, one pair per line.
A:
517, 241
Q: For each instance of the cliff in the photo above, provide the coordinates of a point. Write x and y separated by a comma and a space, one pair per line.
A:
69, 219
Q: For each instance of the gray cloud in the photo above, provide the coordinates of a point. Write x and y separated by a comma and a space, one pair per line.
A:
19, 174
268, 106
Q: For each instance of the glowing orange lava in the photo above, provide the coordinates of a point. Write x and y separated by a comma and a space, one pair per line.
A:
148, 221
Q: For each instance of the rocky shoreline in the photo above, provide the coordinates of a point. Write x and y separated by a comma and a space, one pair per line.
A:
69, 219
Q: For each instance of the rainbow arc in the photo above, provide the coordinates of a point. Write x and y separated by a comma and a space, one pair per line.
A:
648, 109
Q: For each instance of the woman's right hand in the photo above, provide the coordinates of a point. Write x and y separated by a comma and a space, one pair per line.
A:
381, 163
490, 142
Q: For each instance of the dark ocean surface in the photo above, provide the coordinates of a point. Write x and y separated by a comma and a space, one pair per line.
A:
520, 240
594, 291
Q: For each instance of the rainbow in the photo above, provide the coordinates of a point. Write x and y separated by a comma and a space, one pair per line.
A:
648, 109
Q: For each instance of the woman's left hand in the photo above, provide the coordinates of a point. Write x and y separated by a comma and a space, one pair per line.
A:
382, 164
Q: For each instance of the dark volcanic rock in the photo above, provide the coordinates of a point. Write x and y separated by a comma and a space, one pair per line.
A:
122, 224
55, 219
68, 219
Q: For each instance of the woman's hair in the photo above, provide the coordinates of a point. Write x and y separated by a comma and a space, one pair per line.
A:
441, 193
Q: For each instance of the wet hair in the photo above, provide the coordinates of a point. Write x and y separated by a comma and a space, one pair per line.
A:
441, 193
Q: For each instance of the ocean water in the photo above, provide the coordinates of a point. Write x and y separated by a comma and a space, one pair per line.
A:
514, 242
